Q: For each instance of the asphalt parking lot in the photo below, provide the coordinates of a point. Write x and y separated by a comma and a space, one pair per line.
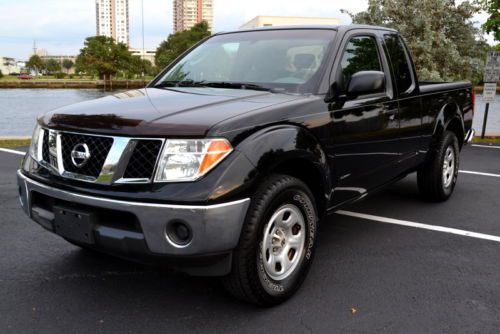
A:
368, 276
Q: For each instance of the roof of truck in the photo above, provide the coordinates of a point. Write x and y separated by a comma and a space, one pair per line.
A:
341, 28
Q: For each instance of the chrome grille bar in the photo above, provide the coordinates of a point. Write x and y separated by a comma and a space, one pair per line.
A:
114, 166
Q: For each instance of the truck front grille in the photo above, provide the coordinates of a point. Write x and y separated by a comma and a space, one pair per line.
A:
143, 160
99, 148
112, 159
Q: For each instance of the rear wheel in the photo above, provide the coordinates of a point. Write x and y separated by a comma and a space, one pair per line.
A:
438, 176
277, 243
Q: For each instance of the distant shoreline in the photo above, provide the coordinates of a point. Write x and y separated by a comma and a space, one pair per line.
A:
74, 84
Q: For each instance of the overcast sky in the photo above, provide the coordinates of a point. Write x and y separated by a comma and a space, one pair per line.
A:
60, 26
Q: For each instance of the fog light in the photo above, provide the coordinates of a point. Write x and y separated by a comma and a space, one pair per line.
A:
178, 233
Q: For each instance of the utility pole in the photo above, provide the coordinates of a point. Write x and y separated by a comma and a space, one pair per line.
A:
143, 48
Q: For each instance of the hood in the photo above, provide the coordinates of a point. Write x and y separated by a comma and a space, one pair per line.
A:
182, 112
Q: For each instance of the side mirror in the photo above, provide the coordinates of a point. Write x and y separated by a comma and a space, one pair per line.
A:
365, 82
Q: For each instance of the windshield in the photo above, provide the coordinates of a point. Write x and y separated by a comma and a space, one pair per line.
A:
279, 60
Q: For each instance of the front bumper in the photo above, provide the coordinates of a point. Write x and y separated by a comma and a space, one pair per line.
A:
215, 228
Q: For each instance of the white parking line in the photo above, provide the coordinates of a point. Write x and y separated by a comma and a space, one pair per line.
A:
461, 171
487, 146
12, 151
419, 225
479, 173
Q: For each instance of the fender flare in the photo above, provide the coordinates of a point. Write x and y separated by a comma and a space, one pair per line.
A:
449, 112
273, 146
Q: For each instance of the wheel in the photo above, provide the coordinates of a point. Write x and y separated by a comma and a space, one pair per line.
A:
438, 176
277, 243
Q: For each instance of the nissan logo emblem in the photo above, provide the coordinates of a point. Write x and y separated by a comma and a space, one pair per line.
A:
80, 155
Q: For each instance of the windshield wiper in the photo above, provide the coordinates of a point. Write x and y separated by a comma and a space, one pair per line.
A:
180, 83
216, 84
236, 85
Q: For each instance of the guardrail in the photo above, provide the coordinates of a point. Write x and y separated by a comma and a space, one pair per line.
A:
61, 83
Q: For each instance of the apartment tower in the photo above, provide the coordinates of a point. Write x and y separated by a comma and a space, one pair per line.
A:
189, 12
112, 19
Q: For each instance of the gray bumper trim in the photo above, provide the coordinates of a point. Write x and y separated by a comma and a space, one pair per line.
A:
215, 227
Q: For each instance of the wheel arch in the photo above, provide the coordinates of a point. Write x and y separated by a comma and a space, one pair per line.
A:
450, 119
295, 151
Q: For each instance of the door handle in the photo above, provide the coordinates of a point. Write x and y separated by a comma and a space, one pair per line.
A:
392, 113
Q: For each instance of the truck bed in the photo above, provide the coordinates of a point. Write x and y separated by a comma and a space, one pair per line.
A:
427, 87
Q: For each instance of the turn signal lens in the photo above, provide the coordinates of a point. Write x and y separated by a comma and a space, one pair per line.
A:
184, 160
217, 150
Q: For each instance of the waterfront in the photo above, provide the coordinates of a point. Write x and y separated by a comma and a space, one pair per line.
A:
20, 107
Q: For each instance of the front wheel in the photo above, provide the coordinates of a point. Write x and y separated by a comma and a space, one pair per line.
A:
438, 176
277, 243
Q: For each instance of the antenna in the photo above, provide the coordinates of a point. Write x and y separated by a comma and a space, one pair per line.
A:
34, 47
143, 49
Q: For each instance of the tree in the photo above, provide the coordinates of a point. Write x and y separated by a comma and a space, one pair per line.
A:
35, 63
52, 66
1, 74
440, 34
103, 57
147, 67
492, 24
179, 42
68, 64
134, 67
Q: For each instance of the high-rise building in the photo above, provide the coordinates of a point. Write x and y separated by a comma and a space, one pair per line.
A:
112, 19
270, 21
189, 12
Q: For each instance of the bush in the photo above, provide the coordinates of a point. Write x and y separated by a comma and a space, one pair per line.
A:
1, 74
60, 75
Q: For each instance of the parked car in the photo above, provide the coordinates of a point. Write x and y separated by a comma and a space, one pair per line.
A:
229, 159
25, 77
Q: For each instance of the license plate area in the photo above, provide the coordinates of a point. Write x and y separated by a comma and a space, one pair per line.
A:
74, 224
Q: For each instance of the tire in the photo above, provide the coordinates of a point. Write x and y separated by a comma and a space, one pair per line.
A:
277, 243
436, 182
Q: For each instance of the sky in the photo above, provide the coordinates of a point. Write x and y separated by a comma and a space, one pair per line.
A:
60, 26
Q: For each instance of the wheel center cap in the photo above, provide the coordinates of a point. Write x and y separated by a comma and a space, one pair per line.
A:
279, 240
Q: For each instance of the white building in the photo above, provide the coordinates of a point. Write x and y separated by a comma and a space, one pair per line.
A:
267, 21
8, 65
112, 19
187, 13
148, 54
60, 59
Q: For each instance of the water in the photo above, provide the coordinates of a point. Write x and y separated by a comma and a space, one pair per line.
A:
19, 108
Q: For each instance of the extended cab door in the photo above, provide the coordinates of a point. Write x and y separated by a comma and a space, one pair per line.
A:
409, 101
366, 128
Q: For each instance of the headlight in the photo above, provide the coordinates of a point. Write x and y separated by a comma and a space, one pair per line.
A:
187, 160
36, 143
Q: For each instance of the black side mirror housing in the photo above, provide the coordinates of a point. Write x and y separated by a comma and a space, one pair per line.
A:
365, 82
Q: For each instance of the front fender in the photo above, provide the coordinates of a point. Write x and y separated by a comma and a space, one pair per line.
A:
273, 147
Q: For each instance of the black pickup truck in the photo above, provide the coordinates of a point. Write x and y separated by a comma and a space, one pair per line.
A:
227, 161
